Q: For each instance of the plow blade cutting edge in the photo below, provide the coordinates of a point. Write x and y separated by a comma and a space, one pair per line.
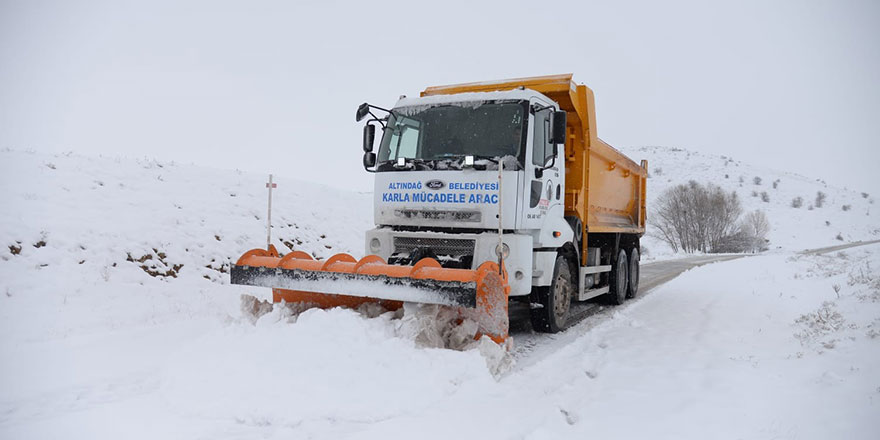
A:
341, 280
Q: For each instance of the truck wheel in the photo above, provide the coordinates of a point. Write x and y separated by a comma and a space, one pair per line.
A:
555, 300
632, 288
617, 281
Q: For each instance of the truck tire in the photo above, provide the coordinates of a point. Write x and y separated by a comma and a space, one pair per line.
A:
555, 300
632, 288
618, 278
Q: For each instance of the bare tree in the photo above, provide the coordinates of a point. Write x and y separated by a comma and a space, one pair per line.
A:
757, 227
694, 217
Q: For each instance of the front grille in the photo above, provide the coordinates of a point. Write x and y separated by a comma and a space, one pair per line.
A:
455, 247
459, 216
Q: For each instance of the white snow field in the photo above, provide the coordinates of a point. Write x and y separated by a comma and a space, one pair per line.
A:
117, 321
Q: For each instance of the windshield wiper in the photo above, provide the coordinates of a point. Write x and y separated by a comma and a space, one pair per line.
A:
453, 161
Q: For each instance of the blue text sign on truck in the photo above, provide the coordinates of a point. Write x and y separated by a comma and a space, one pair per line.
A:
435, 191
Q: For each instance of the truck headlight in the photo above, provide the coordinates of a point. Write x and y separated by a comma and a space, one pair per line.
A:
375, 245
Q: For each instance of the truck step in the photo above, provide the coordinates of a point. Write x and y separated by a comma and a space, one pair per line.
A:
592, 293
595, 269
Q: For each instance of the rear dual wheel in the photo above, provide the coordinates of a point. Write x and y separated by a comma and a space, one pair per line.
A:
624, 278
619, 279
632, 288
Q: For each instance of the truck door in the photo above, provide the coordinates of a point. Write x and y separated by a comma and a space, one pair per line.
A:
541, 187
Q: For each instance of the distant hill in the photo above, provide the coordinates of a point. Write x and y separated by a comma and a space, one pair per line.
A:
845, 216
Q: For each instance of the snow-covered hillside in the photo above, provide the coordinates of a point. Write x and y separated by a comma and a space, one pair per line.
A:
105, 229
846, 215
117, 321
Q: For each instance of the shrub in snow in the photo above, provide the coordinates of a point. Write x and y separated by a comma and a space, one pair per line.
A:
797, 202
695, 217
757, 180
827, 223
846, 207
775, 183
839, 237
750, 235
820, 199
756, 227
817, 325
737, 242
658, 171
864, 195
741, 179
754, 194
765, 197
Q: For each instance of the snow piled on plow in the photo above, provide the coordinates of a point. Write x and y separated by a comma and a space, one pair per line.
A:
425, 325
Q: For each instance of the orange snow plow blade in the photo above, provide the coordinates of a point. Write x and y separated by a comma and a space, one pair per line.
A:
341, 280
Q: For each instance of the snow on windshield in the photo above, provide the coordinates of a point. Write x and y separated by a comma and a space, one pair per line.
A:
467, 99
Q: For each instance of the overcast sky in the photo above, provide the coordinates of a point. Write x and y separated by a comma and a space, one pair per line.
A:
273, 86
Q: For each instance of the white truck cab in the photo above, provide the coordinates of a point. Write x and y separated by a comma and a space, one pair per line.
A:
438, 191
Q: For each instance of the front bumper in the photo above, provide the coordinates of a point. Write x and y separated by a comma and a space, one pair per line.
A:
518, 263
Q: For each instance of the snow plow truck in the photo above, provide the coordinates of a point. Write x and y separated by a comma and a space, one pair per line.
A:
484, 193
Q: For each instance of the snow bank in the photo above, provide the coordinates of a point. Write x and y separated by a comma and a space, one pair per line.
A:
103, 243
333, 364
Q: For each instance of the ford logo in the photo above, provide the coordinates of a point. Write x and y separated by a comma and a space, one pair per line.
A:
435, 184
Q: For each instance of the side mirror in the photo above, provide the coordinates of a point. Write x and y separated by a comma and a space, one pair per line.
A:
369, 159
558, 128
363, 109
369, 136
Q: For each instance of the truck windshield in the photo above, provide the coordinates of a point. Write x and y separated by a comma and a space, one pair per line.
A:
451, 131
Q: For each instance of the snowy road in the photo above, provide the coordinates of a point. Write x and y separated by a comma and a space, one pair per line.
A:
841, 247
530, 346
